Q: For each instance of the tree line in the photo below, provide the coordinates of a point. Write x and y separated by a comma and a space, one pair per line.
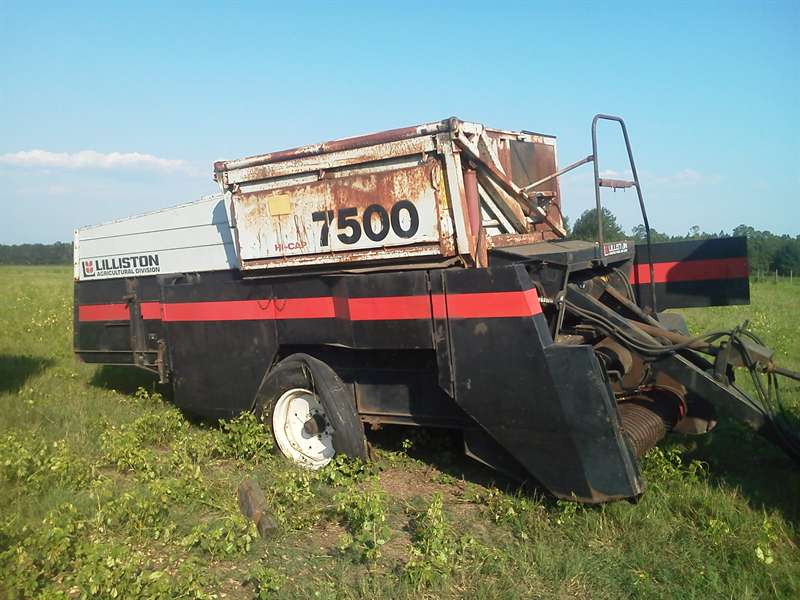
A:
767, 251
59, 253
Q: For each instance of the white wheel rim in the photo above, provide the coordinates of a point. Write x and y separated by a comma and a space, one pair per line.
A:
292, 410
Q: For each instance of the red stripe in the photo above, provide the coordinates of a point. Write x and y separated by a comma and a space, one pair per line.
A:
150, 310
103, 312
305, 308
250, 310
493, 305
692, 270
117, 311
438, 306
387, 308
231, 310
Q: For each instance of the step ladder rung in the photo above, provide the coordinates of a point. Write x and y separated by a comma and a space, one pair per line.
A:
616, 184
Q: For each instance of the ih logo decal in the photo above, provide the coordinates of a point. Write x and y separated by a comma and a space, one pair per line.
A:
88, 268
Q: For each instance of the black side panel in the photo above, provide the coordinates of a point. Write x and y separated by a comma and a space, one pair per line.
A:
549, 406
388, 332
112, 318
217, 365
97, 341
441, 336
220, 351
694, 273
144, 305
393, 386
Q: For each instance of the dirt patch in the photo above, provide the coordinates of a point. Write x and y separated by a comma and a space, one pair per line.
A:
397, 550
328, 534
404, 484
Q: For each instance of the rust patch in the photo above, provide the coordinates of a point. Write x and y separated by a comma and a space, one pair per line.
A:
338, 195
351, 143
519, 239
365, 176
329, 160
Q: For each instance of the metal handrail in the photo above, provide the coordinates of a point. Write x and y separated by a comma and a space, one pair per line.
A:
636, 184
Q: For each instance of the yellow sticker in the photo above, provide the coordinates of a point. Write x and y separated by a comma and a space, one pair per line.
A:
437, 181
279, 205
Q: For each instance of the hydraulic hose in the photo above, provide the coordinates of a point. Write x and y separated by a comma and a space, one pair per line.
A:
768, 400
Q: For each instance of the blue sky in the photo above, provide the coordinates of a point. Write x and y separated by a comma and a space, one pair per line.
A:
109, 109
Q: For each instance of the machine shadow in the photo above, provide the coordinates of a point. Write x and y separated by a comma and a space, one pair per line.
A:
15, 370
740, 459
128, 380
737, 459
125, 380
442, 449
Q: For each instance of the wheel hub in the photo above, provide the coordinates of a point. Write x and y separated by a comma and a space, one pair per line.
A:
301, 429
315, 425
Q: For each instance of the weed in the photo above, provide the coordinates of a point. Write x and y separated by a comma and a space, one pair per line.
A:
199, 446
291, 496
44, 553
147, 398
498, 506
267, 582
122, 449
37, 462
343, 471
113, 570
245, 438
446, 479
159, 428
764, 556
228, 536
68, 557
433, 546
144, 512
566, 512
663, 465
364, 513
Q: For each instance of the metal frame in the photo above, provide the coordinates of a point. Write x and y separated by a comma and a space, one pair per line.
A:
617, 184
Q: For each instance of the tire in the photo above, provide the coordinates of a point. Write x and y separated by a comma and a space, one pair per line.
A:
310, 412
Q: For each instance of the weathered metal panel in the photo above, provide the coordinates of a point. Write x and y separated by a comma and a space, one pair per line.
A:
526, 158
351, 143
388, 196
336, 160
456, 195
361, 216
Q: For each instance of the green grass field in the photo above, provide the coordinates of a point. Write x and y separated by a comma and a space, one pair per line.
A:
110, 492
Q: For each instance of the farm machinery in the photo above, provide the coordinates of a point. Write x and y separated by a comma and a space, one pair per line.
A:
422, 276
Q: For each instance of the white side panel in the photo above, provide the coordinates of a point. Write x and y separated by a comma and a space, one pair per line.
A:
187, 238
